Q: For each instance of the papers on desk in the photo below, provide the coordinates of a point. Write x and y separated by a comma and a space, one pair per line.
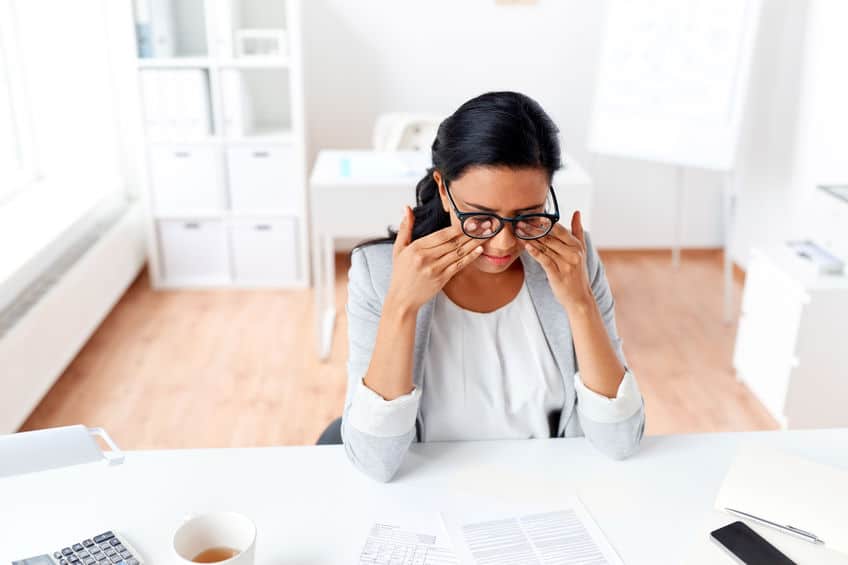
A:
389, 544
789, 490
565, 536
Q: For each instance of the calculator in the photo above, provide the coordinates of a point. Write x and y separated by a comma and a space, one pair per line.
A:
107, 548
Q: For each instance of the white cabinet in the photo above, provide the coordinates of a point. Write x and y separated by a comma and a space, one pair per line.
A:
194, 252
261, 179
791, 339
186, 177
265, 251
225, 139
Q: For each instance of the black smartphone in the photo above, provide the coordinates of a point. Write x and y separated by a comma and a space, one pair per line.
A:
747, 546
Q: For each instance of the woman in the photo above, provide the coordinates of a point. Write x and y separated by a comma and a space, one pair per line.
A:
472, 320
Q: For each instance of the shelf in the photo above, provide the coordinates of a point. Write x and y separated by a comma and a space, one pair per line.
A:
226, 214
210, 140
174, 63
191, 215
270, 135
255, 63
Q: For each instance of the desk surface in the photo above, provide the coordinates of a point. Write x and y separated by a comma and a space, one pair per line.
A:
311, 506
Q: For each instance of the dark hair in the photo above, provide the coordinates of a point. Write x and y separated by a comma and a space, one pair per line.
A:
505, 129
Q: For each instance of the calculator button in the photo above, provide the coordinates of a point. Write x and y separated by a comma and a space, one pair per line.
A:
104, 562
126, 554
132, 561
89, 561
116, 558
110, 551
95, 550
83, 554
103, 537
73, 558
119, 548
114, 541
67, 551
88, 543
63, 562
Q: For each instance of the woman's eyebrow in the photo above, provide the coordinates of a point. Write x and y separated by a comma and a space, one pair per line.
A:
487, 209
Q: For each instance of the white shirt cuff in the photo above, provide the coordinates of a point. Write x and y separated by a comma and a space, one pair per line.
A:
599, 408
371, 414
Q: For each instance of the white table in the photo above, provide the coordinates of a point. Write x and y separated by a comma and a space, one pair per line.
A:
311, 506
359, 193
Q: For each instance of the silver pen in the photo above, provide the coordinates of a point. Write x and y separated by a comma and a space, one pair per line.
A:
791, 530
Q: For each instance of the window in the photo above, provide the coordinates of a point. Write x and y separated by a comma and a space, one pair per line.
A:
16, 149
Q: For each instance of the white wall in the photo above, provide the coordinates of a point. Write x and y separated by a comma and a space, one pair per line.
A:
383, 55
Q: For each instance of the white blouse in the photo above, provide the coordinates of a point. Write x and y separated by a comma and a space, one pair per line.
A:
487, 376
493, 375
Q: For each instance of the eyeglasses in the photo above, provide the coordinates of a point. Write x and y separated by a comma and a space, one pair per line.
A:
484, 225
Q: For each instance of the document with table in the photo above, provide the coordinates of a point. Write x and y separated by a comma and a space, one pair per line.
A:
565, 535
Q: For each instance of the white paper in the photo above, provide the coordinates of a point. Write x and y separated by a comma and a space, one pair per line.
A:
389, 544
563, 536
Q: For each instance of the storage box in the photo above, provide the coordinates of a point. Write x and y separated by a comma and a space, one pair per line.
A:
265, 251
260, 179
194, 252
186, 178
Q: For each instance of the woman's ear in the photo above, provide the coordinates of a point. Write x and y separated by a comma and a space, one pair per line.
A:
443, 196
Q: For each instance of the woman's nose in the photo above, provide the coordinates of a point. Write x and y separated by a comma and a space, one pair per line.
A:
505, 239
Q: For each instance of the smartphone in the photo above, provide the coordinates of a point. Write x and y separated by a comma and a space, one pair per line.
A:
747, 546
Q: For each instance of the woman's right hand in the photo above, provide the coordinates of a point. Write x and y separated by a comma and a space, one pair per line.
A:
422, 267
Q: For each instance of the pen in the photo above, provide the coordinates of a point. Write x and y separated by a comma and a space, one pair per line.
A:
791, 530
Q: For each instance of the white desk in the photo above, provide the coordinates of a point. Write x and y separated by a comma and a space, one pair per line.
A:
311, 506
359, 193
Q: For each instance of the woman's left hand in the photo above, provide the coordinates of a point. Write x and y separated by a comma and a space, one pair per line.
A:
563, 256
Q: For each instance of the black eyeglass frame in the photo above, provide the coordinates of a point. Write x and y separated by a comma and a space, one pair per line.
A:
462, 216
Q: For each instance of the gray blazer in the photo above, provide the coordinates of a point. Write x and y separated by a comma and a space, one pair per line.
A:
369, 277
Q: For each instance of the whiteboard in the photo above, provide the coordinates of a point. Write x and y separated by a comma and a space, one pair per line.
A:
672, 80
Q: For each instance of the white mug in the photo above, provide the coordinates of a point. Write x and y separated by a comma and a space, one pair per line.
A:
217, 529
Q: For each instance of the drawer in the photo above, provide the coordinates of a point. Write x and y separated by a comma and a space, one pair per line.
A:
186, 178
261, 178
265, 251
767, 377
194, 252
767, 288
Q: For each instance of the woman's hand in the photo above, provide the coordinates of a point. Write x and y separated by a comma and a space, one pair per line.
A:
563, 256
421, 268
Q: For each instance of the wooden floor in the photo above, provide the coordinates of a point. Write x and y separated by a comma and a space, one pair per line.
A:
238, 368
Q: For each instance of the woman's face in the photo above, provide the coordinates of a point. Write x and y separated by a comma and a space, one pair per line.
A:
504, 191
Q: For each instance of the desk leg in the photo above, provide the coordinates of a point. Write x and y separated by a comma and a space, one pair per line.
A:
320, 293
328, 316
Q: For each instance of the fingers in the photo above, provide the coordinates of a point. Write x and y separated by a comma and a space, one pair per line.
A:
560, 232
543, 256
577, 227
558, 250
439, 237
461, 263
458, 253
404, 234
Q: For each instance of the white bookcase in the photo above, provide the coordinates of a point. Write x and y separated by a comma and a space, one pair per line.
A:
225, 142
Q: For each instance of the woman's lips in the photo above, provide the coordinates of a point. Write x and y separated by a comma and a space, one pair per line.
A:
497, 260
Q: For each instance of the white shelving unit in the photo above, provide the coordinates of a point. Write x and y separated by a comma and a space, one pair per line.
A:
791, 340
225, 140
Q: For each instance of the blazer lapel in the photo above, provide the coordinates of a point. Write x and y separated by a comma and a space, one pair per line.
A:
552, 316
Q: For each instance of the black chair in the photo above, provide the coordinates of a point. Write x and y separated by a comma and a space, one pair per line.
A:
332, 435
